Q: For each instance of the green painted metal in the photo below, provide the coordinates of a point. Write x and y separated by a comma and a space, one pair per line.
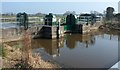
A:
65, 27
70, 22
49, 20
22, 18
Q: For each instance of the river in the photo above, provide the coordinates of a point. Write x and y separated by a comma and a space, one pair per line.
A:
8, 25
98, 49
94, 50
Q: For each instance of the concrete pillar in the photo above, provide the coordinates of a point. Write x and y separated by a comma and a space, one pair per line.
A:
58, 29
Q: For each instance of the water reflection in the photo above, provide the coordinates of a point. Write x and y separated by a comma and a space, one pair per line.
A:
50, 46
94, 50
98, 49
53, 46
119, 46
85, 40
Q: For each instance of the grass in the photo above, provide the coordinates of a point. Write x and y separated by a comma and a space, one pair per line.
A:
8, 16
2, 51
16, 46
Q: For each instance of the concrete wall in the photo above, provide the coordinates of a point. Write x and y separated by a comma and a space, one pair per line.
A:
83, 28
50, 32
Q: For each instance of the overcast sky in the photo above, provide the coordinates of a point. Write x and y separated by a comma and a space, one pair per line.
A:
57, 7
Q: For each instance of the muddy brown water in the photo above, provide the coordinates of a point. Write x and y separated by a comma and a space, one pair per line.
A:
94, 50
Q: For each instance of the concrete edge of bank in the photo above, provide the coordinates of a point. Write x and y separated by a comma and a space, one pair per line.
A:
115, 66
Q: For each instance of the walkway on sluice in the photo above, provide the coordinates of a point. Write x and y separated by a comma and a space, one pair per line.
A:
14, 34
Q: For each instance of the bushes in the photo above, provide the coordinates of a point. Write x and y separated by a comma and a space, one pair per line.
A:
17, 46
2, 51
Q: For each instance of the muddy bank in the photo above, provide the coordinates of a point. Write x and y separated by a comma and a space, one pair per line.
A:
16, 58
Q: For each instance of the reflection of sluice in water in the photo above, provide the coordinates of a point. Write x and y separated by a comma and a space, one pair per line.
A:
50, 46
53, 46
85, 40
109, 35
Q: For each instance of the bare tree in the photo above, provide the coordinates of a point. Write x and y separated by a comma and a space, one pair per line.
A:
26, 49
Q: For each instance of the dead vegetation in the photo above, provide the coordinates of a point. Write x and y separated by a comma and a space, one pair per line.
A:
23, 57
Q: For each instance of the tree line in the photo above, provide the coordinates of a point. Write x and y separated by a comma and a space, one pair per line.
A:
110, 14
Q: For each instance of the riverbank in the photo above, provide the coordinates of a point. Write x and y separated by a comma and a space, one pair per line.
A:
14, 58
111, 26
20, 55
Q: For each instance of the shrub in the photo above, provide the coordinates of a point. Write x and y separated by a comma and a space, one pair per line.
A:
2, 51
